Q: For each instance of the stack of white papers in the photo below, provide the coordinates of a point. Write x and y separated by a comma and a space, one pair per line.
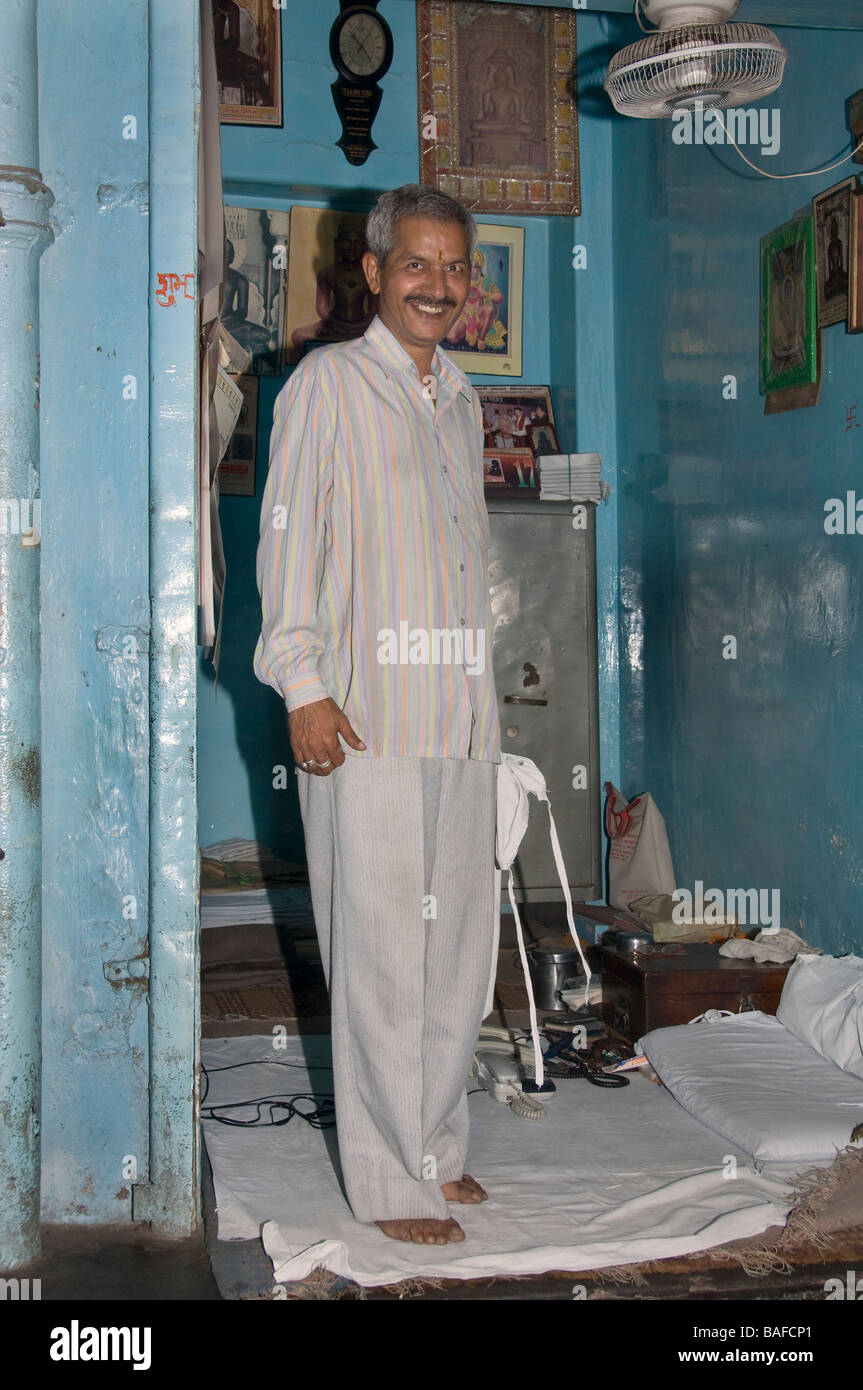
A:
569, 477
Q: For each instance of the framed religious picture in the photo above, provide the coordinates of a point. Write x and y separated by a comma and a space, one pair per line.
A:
328, 298
831, 215
253, 307
543, 440
248, 38
789, 316
855, 265
509, 414
498, 117
486, 337
237, 468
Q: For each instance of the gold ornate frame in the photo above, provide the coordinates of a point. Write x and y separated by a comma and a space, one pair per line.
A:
444, 27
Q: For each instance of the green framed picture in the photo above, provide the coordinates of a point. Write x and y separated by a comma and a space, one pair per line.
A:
789, 309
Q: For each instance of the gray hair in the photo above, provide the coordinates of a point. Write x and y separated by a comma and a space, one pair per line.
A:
413, 200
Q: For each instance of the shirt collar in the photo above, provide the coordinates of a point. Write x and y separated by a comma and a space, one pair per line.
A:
394, 357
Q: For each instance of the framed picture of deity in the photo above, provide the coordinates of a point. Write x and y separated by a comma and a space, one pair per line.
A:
513, 416
253, 305
486, 337
498, 117
248, 40
789, 310
328, 298
831, 216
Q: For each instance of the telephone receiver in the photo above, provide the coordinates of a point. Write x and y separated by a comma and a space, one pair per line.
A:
500, 1065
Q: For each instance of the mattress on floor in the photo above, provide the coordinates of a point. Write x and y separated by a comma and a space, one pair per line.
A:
609, 1177
756, 1084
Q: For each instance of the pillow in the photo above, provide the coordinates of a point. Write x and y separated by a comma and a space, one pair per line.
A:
822, 1004
751, 1081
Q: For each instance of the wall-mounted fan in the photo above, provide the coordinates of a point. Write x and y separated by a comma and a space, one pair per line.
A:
694, 57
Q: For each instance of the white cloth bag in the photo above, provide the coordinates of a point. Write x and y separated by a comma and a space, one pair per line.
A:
517, 779
639, 862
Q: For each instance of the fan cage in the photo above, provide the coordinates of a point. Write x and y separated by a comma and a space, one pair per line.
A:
713, 64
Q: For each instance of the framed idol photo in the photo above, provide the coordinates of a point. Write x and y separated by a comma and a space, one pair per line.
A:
789, 311
498, 108
509, 415
831, 215
543, 439
486, 337
328, 298
253, 306
248, 39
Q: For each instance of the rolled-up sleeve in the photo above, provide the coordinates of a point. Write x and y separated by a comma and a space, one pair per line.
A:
291, 551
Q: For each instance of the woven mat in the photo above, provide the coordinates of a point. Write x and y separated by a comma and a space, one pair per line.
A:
276, 1002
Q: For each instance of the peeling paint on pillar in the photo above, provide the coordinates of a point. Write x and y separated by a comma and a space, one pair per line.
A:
95, 606
24, 234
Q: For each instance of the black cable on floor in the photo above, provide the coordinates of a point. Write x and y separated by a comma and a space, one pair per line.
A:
321, 1117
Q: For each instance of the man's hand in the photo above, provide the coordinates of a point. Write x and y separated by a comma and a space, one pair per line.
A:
314, 731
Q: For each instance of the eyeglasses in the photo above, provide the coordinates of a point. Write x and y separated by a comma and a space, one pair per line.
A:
666, 948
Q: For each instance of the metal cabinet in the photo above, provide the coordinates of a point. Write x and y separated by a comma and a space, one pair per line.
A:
542, 573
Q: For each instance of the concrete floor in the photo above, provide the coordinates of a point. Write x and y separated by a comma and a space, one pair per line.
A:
119, 1263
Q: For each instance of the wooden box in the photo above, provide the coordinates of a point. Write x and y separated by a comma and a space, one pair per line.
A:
658, 991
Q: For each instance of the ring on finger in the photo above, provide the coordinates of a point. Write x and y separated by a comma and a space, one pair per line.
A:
325, 764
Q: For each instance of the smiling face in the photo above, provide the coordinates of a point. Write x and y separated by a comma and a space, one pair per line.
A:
422, 284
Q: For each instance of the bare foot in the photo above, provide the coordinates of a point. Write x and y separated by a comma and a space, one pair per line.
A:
423, 1230
464, 1189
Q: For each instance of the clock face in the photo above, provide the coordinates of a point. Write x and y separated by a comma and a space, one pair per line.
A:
363, 44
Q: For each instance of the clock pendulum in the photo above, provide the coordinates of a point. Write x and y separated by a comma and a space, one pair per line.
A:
361, 48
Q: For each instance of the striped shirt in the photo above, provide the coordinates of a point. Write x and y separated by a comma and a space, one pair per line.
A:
373, 558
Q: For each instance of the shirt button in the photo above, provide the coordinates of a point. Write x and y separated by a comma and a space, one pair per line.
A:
461, 620
461, 567
455, 519
445, 469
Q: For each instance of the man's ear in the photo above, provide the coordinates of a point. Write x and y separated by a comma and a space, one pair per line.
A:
372, 272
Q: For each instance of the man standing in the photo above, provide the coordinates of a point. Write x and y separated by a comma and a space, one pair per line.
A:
373, 575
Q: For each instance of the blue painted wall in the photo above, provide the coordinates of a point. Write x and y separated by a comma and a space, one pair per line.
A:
242, 736
755, 762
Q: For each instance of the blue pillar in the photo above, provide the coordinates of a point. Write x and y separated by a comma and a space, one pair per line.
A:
169, 1200
24, 201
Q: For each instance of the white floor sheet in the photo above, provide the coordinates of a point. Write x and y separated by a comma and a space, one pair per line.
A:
609, 1177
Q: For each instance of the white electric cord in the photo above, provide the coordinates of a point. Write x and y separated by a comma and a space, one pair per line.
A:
805, 174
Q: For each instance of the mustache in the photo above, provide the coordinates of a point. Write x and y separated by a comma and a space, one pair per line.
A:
431, 303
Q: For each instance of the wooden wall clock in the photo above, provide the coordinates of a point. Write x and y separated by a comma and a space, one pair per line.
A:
361, 48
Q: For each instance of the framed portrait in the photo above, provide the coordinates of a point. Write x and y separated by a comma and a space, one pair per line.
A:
248, 36
789, 313
855, 265
509, 413
486, 337
831, 215
498, 115
328, 298
543, 440
253, 308
237, 469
